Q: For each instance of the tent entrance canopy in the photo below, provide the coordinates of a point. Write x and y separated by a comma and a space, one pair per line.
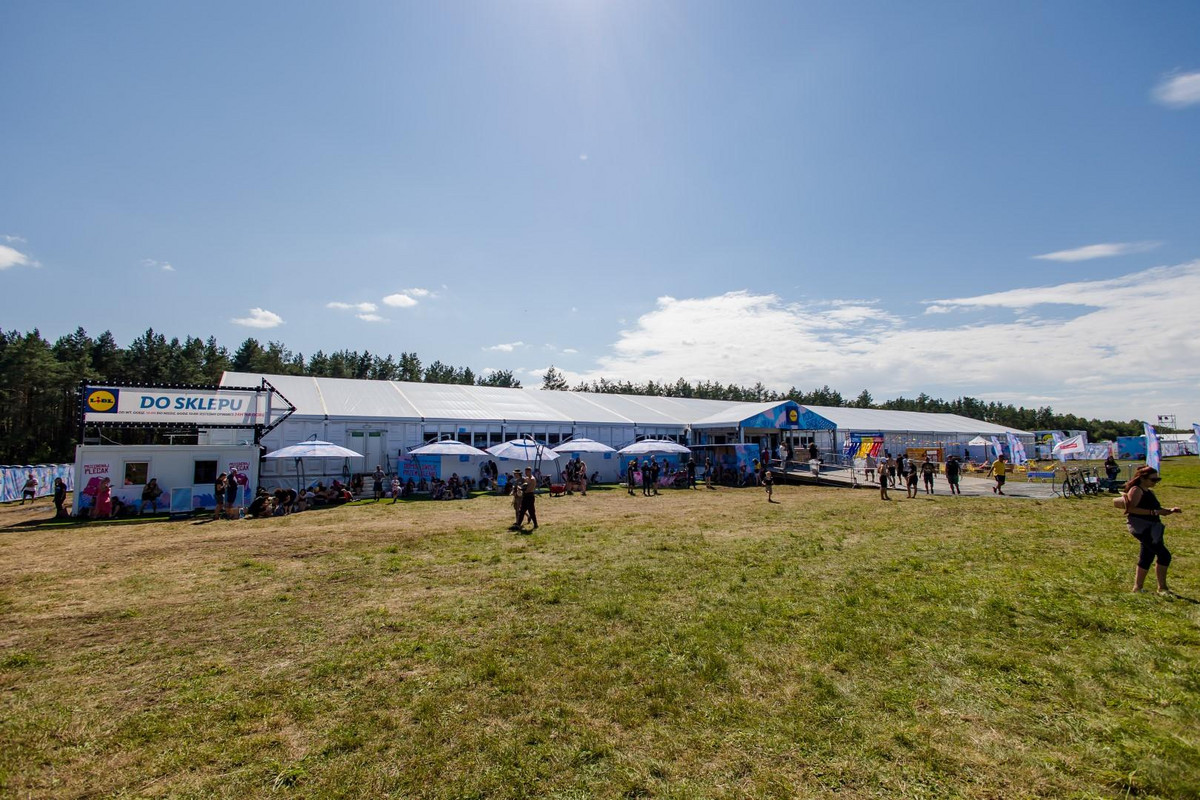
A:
786, 416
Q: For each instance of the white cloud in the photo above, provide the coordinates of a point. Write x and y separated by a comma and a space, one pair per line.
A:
370, 317
165, 266
583, 157
399, 300
570, 350
13, 239
418, 293
364, 308
10, 257
1117, 348
1099, 251
1179, 90
504, 348
259, 318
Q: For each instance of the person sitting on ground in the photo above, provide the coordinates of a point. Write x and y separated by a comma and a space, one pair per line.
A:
1111, 468
150, 495
422, 485
409, 487
120, 508
356, 484
262, 505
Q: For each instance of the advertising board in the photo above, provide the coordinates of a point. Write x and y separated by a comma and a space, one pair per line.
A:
144, 405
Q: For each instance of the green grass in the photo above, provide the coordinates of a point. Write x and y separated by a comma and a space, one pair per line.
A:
699, 644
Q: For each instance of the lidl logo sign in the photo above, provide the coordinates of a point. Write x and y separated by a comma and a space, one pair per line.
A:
101, 401
793, 416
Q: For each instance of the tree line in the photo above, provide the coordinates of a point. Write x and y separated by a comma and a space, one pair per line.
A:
39, 383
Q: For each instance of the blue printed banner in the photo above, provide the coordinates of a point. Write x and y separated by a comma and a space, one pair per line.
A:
1153, 455
13, 480
1196, 431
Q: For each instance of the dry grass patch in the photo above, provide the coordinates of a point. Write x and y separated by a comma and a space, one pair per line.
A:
696, 644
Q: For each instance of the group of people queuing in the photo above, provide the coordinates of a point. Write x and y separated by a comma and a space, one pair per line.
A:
890, 472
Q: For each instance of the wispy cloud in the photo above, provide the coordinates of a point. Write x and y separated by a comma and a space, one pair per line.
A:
1091, 251
164, 266
570, 350
13, 239
259, 318
418, 293
370, 317
364, 308
583, 156
1081, 350
504, 347
11, 257
1178, 90
400, 300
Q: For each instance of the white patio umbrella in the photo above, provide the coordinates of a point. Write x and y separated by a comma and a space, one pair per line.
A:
447, 447
648, 446
582, 445
523, 450
311, 448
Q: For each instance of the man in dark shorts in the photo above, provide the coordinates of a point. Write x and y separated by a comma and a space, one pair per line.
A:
377, 482
999, 469
953, 471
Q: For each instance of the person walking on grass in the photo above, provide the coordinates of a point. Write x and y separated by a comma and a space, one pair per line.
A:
29, 490
769, 484
60, 498
1143, 517
883, 483
999, 469
516, 484
528, 496
631, 475
928, 470
910, 477
953, 472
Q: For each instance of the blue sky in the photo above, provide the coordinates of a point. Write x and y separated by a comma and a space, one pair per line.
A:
996, 200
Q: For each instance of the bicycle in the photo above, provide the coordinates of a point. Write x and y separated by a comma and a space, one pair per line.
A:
1072, 484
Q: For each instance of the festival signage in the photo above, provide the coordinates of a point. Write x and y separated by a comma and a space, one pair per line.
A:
144, 405
1017, 449
1152, 451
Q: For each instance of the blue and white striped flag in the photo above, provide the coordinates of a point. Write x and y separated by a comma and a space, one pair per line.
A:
1152, 452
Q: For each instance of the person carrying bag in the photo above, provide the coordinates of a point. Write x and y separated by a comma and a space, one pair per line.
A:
1143, 517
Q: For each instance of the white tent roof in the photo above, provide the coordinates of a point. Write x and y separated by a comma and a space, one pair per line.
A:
366, 399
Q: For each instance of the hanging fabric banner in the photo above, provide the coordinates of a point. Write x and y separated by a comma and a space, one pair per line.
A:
1016, 449
1152, 450
997, 448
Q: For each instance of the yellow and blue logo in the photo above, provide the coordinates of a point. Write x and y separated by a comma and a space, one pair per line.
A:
101, 401
793, 416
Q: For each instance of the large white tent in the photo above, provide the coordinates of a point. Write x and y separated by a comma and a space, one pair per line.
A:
385, 419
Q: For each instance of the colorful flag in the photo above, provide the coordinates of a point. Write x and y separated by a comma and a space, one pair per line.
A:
1196, 430
1074, 446
997, 448
1017, 449
1152, 452
1058, 440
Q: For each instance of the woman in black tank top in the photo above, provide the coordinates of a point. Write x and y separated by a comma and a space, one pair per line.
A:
1143, 515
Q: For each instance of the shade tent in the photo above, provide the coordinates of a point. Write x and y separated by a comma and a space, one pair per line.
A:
979, 441
649, 446
582, 445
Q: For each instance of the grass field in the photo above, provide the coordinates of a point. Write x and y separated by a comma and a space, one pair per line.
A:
697, 644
